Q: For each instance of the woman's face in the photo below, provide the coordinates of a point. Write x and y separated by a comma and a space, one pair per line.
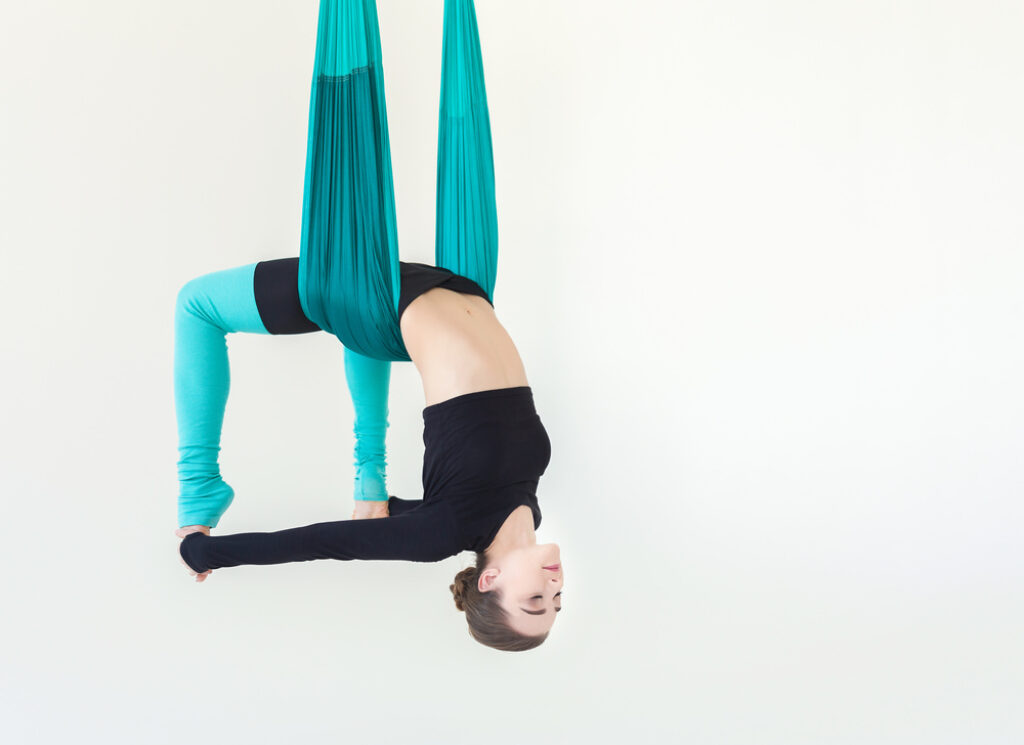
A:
530, 581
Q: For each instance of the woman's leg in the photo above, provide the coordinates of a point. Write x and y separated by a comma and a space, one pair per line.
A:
256, 298
207, 309
280, 306
368, 383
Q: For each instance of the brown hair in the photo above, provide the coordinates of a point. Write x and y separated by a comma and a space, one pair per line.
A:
488, 621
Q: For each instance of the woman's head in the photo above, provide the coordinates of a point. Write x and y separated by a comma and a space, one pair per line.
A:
511, 599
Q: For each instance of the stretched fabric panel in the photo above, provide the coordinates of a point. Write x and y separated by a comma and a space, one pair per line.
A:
467, 218
348, 256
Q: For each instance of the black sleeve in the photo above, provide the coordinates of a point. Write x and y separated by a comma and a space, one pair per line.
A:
425, 534
397, 506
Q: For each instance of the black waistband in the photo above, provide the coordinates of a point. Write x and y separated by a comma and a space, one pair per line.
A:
419, 278
522, 393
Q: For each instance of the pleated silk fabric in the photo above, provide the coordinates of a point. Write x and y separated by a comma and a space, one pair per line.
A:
466, 239
349, 280
348, 256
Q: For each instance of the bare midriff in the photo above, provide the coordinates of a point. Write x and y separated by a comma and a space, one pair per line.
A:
459, 346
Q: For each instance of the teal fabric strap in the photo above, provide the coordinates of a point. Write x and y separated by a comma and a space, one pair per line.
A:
349, 279
207, 309
368, 383
466, 240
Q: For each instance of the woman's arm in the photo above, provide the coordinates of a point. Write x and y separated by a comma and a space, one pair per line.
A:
425, 534
398, 506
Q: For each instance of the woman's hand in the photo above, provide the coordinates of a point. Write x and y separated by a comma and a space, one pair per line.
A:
367, 509
181, 533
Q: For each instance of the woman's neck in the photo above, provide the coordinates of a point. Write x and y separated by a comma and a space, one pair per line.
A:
516, 532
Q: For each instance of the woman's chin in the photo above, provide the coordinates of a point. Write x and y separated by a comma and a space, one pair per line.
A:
552, 552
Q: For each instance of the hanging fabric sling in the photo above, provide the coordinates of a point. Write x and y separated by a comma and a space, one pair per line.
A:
467, 217
348, 259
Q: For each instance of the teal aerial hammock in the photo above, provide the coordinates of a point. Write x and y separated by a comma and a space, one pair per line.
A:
348, 257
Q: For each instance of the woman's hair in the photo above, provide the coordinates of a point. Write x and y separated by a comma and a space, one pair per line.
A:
488, 621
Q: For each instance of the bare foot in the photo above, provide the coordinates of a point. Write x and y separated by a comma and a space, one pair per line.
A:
369, 509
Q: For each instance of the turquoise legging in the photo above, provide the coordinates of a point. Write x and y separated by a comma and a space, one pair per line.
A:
207, 309
348, 261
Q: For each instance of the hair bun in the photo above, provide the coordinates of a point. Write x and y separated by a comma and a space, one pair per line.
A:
457, 593
461, 586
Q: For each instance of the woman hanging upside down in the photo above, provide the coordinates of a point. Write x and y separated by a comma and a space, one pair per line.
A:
485, 445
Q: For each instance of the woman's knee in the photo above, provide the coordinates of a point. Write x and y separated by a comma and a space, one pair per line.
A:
223, 299
194, 298
187, 296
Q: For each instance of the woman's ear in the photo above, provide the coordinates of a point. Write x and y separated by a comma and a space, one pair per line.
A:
487, 578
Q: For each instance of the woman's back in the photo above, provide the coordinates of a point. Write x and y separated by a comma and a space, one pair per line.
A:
459, 346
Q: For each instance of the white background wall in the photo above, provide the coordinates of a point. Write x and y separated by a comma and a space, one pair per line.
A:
763, 262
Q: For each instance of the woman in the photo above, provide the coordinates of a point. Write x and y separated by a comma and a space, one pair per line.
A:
485, 446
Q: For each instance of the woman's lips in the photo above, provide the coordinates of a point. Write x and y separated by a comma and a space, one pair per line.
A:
553, 567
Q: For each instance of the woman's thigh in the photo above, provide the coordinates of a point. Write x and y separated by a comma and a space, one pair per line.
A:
276, 287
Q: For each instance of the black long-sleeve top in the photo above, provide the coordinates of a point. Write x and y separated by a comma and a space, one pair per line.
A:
484, 455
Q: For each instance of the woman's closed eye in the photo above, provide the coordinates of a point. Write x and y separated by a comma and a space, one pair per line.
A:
541, 597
